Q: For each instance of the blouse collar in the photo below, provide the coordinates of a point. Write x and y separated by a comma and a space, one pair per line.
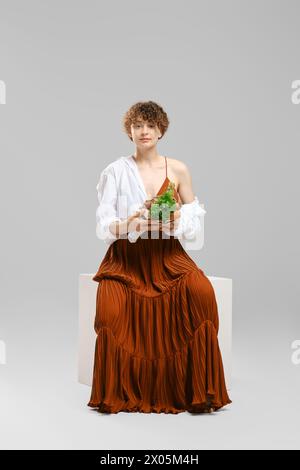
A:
131, 164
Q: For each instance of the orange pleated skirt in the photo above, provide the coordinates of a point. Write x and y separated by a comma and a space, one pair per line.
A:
157, 324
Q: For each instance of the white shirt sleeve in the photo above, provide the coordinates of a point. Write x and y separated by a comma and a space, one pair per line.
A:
189, 222
107, 209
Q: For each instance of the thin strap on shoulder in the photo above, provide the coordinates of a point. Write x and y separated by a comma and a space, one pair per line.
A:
166, 167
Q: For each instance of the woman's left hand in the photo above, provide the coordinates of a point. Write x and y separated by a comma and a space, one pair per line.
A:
171, 224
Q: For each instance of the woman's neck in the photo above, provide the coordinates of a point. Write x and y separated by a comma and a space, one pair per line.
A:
149, 159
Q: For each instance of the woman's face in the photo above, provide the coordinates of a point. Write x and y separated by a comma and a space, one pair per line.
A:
141, 130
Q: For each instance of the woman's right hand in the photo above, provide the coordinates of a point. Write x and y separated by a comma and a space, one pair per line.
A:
136, 221
141, 222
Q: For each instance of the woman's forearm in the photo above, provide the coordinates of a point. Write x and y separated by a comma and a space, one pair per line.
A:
119, 228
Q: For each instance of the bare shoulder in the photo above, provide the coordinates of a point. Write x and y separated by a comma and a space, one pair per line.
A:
180, 168
183, 179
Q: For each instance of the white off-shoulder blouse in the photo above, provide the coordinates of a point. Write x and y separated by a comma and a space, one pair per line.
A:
121, 192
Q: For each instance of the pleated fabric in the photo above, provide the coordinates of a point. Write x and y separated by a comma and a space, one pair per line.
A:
157, 331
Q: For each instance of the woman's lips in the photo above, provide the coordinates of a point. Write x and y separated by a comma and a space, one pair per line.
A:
145, 140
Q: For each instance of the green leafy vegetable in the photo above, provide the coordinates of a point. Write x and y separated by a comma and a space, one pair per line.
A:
163, 204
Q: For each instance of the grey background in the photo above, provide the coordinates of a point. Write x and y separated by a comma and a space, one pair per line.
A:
223, 72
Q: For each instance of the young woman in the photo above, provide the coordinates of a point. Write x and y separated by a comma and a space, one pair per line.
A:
156, 313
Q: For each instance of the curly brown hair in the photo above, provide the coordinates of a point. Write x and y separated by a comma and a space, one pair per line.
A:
147, 111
